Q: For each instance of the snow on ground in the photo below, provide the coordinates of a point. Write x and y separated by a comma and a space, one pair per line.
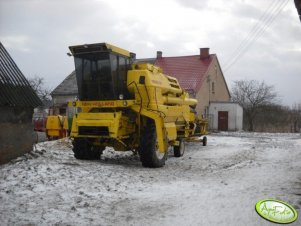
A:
214, 185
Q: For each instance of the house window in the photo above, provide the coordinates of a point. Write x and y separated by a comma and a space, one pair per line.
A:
213, 88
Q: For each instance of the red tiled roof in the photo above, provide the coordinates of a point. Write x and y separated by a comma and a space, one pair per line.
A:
189, 70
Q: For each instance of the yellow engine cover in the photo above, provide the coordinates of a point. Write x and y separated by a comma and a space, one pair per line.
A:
56, 126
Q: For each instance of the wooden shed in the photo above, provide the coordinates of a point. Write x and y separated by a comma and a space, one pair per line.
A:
17, 101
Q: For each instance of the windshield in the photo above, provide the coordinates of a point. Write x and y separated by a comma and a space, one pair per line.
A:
102, 76
93, 72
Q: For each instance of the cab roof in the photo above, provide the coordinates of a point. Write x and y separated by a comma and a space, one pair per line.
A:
98, 47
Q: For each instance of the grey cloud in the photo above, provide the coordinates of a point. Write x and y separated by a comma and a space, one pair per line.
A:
49, 27
247, 11
200, 5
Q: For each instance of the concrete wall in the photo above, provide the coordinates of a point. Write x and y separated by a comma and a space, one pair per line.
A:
61, 102
16, 132
235, 115
208, 93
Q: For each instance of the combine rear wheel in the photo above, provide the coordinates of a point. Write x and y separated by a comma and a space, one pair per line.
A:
179, 150
83, 149
150, 155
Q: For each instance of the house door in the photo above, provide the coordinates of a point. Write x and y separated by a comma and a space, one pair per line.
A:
223, 120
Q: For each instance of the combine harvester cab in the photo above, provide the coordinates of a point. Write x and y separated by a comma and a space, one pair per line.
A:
128, 106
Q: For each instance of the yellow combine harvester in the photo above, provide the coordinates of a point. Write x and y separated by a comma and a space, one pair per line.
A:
128, 107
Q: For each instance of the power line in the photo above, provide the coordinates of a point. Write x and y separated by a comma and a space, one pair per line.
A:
268, 18
274, 12
255, 34
254, 29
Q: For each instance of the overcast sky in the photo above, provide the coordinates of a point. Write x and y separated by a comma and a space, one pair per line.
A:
37, 34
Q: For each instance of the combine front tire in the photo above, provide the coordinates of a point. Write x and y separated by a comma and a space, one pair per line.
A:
150, 155
85, 151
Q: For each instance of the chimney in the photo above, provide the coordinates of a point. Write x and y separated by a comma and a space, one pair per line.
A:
159, 54
132, 57
204, 53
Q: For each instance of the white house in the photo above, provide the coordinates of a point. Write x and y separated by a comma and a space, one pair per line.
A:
226, 116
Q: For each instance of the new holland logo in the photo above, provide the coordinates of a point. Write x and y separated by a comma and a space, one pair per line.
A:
276, 211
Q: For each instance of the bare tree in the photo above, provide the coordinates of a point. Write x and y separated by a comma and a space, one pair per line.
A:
251, 95
296, 117
38, 85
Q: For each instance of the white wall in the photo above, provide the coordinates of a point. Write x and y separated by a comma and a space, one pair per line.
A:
59, 100
239, 117
235, 115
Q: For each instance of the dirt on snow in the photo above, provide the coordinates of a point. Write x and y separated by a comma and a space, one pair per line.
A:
218, 184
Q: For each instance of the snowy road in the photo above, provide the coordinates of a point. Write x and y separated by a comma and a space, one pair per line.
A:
214, 185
